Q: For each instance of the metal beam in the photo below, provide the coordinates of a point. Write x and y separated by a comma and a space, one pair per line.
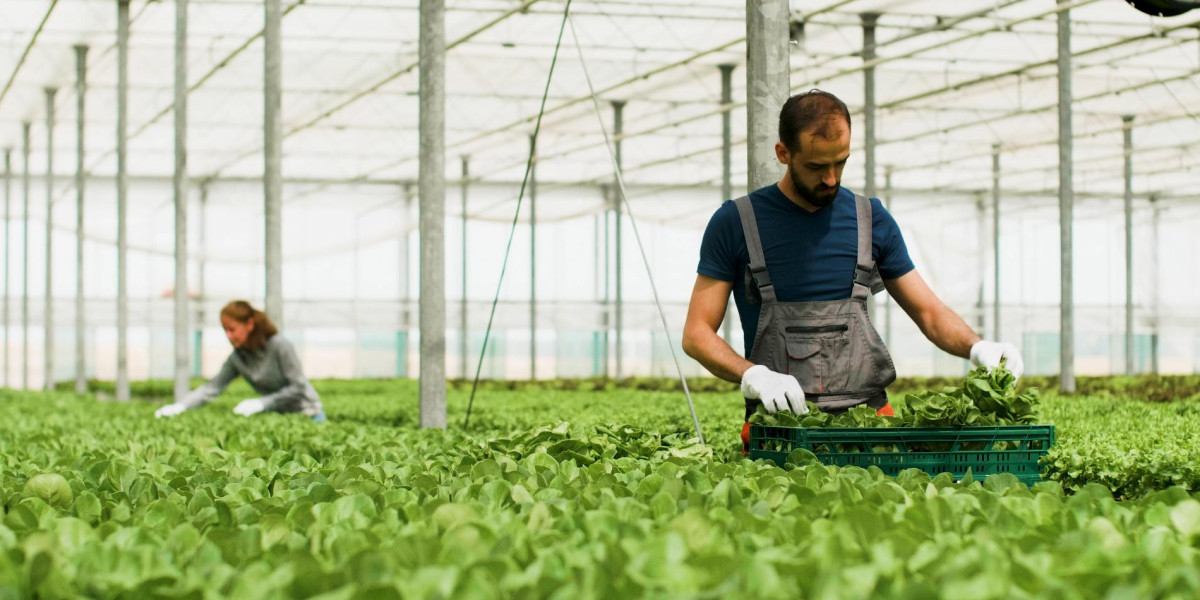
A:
1065, 204
618, 126
28, 48
7, 252
767, 86
80, 183
48, 311
1127, 121
25, 257
432, 194
201, 288
180, 180
727, 170
532, 257
122, 391
464, 339
273, 158
868, 54
996, 242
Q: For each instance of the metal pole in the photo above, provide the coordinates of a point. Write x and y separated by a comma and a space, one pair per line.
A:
1156, 212
1128, 121
727, 171
1065, 202
122, 198
7, 251
618, 129
981, 300
405, 289
996, 241
201, 289
48, 317
80, 323
432, 192
607, 316
273, 157
887, 205
25, 274
767, 87
533, 258
868, 54
182, 373
463, 334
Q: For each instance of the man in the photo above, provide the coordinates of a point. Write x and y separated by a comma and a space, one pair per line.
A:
801, 257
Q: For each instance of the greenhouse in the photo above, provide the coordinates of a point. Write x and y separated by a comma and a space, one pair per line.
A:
461, 240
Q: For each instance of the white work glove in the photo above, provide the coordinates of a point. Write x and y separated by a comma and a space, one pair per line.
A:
988, 354
170, 410
775, 390
250, 407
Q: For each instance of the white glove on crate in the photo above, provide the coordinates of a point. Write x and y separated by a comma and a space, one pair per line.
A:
250, 407
988, 354
775, 390
170, 410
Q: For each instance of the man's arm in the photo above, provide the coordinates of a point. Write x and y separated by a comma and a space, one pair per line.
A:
941, 325
700, 340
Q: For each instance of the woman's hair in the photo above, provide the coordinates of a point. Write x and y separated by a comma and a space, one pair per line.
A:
242, 312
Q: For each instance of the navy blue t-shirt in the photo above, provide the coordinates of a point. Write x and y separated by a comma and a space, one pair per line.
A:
810, 256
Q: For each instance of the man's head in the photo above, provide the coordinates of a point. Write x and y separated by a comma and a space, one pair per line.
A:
814, 142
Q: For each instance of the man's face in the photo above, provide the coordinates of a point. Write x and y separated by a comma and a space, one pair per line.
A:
815, 168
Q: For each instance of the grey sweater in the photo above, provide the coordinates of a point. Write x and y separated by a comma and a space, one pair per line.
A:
273, 371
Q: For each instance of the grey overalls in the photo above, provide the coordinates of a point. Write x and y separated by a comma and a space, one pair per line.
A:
830, 346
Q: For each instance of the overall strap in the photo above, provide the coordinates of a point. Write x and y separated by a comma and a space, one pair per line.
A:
866, 276
758, 262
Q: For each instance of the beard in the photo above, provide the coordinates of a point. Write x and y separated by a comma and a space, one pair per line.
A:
820, 196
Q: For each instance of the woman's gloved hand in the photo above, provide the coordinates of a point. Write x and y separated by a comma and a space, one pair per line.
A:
250, 407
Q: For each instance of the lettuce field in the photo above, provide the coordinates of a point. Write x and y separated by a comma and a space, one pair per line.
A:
575, 491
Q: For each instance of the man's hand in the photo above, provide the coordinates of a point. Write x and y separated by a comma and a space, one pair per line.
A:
988, 354
775, 390
170, 410
250, 407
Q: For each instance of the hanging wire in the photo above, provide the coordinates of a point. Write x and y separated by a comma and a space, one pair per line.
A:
516, 215
633, 222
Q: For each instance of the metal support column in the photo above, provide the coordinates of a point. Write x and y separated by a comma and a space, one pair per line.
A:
273, 158
7, 254
405, 288
432, 192
464, 337
80, 323
887, 307
1129, 347
618, 130
180, 181
201, 289
122, 199
533, 258
48, 315
868, 54
1156, 333
727, 171
981, 300
25, 257
1065, 203
767, 86
996, 242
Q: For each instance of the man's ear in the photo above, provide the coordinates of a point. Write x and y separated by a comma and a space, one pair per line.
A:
782, 153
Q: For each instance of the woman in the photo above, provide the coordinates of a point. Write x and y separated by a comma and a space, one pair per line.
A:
267, 361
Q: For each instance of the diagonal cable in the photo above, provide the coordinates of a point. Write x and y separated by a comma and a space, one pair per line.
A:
516, 215
29, 48
633, 222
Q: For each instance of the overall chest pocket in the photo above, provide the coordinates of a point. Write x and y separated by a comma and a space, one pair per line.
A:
818, 356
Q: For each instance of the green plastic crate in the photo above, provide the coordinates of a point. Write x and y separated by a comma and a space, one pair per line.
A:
934, 450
